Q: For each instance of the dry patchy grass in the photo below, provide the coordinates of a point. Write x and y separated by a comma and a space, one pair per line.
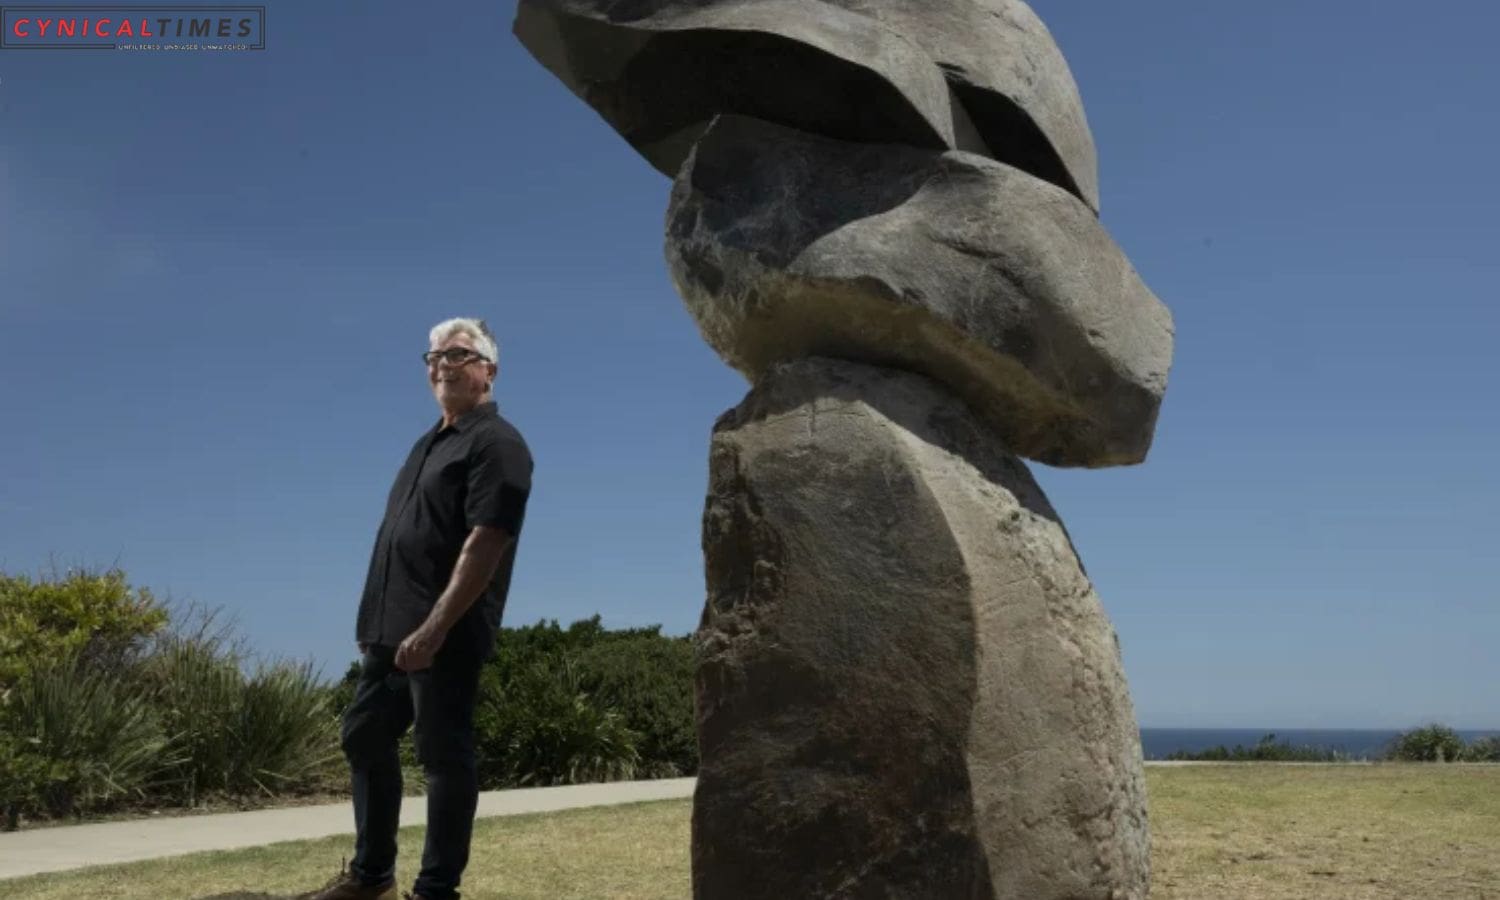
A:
631, 852
1276, 832
1230, 832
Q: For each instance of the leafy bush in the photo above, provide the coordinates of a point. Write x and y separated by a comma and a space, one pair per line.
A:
25, 777
1267, 749
538, 727
77, 739
1431, 743
649, 680
95, 617
552, 697
1483, 750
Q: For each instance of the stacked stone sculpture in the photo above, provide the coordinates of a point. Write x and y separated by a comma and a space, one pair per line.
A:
884, 214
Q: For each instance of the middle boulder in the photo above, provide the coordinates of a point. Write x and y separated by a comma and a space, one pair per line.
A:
1000, 285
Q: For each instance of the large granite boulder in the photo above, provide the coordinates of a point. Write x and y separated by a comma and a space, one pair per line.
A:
1004, 287
978, 75
1009, 74
906, 686
659, 70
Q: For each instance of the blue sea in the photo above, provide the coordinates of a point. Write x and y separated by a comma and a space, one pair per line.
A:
1158, 743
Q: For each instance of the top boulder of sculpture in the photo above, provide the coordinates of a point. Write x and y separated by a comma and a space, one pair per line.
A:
984, 76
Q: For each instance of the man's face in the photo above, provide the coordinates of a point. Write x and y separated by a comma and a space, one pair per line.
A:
459, 385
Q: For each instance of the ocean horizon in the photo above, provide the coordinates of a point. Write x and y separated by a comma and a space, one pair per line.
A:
1357, 743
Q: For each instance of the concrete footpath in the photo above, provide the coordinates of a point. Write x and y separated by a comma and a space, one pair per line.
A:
76, 846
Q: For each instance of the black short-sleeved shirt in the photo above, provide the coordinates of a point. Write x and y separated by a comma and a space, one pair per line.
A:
475, 472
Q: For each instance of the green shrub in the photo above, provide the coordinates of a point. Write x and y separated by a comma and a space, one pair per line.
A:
648, 679
548, 688
100, 702
196, 689
536, 726
25, 777
287, 732
1431, 743
77, 739
1267, 749
96, 617
272, 732
1483, 750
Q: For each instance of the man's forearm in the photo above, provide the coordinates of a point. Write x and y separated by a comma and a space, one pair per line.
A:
482, 552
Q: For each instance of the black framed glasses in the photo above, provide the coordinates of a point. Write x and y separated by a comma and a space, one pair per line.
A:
453, 356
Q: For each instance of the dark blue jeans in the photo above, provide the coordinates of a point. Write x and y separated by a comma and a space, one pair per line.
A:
440, 700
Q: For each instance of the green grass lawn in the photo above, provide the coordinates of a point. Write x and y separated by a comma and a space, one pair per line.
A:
1237, 832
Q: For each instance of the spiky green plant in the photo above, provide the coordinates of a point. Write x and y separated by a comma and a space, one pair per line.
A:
268, 732
287, 731
79, 738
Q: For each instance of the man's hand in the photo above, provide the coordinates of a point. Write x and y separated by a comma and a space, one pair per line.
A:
417, 651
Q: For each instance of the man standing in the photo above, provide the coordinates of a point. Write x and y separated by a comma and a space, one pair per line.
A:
428, 619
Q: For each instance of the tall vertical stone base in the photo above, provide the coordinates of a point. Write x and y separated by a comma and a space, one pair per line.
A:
906, 686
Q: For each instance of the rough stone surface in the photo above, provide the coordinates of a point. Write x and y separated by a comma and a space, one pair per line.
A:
1004, 287
1010, 76
659, 70
906, 686
978, 75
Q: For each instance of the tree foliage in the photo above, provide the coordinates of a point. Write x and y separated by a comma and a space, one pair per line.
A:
1483, 750
1267, 749
583, 703
1430, 743
95, 616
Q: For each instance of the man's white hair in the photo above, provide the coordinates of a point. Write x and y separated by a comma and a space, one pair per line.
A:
484, 342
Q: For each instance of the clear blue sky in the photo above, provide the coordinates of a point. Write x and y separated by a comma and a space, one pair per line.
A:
217, 273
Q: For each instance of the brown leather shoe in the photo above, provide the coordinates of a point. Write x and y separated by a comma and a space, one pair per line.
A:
347, 886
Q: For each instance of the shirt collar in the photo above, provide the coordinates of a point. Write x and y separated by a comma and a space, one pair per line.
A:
486, 410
